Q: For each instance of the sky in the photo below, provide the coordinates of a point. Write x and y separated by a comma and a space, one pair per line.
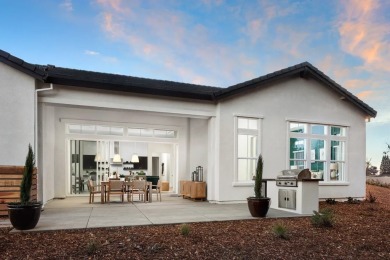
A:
216, 43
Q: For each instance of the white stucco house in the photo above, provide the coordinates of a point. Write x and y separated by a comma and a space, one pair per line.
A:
296, 118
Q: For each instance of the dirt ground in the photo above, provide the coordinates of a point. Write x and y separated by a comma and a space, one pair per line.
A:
360, 231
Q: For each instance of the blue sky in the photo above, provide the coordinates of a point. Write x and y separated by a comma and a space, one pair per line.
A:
217, 43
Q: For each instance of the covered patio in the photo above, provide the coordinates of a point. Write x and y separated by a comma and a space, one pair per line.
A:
76, 213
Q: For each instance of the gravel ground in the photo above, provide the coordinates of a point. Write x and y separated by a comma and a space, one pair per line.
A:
360, 231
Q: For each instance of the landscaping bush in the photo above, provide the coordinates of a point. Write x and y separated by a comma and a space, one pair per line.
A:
331, 201
351, 200
280, 230
92, 247
185, 230
324, 218
371, 198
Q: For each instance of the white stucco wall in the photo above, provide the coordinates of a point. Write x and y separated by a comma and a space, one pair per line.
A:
17, 115
198, 150
297, 99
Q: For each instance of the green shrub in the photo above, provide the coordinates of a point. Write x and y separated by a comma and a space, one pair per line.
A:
185, 230
351, 200
371, 198
331, 201
92, 247
25, 186
324, 218
280, 230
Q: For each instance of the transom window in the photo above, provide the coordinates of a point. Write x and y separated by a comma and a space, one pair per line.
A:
247, 143
321, 148
120, 131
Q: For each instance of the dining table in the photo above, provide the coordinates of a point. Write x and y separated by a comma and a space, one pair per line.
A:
104, 185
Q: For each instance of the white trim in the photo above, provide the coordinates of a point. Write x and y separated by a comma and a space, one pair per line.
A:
248, 115
243, 184
334, 183
310, 121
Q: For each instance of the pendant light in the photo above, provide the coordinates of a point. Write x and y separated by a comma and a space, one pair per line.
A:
117, 157
134, 158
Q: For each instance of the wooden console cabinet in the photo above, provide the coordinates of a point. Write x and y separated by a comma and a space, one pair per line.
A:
193, 189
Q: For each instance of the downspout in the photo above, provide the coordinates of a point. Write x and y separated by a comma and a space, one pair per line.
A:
39, 181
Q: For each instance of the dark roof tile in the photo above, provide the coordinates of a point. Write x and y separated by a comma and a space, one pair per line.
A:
107, 81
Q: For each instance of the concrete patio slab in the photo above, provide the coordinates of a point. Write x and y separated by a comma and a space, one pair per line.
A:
76, 212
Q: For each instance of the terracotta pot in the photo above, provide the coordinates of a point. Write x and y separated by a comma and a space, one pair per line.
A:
24, 217
258, 207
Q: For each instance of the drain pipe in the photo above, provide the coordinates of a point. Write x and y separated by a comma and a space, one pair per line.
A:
39, 180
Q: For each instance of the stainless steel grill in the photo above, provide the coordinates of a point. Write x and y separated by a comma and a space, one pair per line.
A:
290, 178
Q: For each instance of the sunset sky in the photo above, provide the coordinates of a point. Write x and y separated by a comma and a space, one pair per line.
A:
217, 43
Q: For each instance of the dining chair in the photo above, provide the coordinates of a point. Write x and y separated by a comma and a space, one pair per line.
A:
93, 189
156, 189
115, 187
138, 187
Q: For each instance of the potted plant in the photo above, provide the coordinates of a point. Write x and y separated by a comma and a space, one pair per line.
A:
122, 177
258, 205
25, 214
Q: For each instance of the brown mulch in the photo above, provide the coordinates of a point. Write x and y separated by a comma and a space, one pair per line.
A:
361, 231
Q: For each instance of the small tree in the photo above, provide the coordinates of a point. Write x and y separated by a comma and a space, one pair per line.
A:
25, 186
259, 176
385, 164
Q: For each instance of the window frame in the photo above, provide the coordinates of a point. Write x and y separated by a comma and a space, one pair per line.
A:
255, 132
327, 137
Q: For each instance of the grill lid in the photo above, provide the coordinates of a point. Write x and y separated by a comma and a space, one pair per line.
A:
296, 174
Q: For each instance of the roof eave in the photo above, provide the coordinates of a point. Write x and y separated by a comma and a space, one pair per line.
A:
22, 66
131, 89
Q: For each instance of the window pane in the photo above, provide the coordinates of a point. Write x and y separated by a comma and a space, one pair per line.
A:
298, 128
88, 129
318, 130
242, 123
246, 169
252, 124
102, 130
297, 148
171, 134
337, 171
317, 167
297, 164
337, 150
74, 129
339, 131
116, 131
317, 150
247, 146
160, 133
147, 132
134, 132
247, 123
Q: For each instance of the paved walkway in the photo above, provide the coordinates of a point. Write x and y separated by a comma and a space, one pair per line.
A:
76, 212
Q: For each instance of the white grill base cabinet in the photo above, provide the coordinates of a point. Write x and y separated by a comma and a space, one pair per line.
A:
306, 196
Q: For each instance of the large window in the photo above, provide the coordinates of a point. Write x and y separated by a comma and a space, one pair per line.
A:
247, 143
321, 148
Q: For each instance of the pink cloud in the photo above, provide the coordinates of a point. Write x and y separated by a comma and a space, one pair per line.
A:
364, 33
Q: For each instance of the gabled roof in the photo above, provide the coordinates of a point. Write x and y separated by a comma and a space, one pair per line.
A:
304, 69
107, 81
